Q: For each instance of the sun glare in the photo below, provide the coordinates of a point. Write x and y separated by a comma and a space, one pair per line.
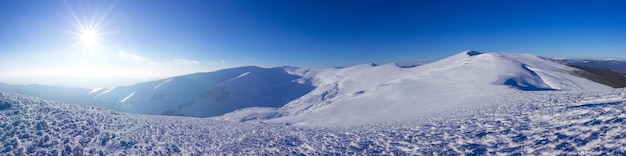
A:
88, 28
88, 38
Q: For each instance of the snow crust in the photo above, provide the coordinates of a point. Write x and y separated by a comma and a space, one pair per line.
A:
524, 123
368, 93
472, 103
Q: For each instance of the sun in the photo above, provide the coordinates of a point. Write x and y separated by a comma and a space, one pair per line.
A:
88, 37
88, 26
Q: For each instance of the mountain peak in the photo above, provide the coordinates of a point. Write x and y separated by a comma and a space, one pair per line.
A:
472, 53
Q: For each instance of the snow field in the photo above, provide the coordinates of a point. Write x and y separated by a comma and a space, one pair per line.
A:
527, 123
471, 103
353, 95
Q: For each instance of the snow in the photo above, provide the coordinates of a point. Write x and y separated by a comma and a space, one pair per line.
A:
524, 123
164, 82
242, 75
126, 98
95, 90
100, 94
360, 94
472, 103
252, 114
256, 88
367, 93
199, 94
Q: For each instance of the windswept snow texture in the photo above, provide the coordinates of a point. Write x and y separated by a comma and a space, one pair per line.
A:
526, 123
368, 93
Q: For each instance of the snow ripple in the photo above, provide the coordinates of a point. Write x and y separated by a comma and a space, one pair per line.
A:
528, 123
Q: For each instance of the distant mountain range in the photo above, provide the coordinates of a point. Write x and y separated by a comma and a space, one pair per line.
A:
338, 96
610, 72
610, 64
199, 95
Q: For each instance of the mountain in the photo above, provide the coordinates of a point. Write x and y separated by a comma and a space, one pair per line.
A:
367, 93
609, 72
472, 103
199, 95
604, 76
609, 64
206, 94
358, 94
68, 95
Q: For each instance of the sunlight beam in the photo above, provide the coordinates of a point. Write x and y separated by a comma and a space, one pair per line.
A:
88, 29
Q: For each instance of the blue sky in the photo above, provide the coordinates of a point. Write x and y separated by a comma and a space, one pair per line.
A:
137, 40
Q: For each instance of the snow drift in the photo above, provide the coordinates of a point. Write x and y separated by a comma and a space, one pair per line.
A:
367, 93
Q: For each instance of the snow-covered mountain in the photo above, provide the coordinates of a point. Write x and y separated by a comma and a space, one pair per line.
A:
206, 94
368, 93
331, 96
68, 95
199, 95
471, 103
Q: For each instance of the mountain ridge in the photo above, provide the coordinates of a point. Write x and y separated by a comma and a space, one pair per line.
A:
387, 92
329, 96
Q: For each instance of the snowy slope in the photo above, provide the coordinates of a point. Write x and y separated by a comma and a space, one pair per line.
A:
368, 93
206, 94
199, 94
330, 96
525, 123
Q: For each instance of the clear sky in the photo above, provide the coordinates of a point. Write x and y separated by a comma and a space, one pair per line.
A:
79, 43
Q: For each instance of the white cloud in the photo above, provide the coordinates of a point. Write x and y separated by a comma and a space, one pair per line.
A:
132, 56
186, 61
